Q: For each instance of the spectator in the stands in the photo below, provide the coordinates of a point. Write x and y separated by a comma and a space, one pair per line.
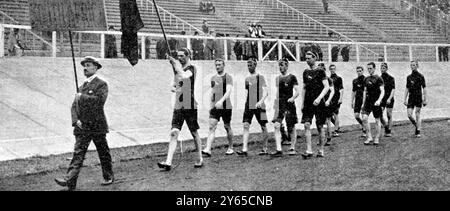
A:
229, 50
210, 7
247, 50
345, 52
325, 6
15, 47
161, 49
202, 6
335, 50
260, 33
110, 44
205, 26
317, 50
252, 30
183, 41
219, 51
197, 47
174, 46
443, 53
210, 47
237, 48
147, 47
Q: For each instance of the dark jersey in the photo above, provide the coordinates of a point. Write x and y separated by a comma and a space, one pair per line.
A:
338, 85
219, 87
254, 85
358, 86
185, 98
372, 85
415, 82
285, 85
389, 85
312, 80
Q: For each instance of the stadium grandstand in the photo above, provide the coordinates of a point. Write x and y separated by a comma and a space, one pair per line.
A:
376, 22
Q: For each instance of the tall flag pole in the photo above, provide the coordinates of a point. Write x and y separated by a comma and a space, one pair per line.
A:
161, 24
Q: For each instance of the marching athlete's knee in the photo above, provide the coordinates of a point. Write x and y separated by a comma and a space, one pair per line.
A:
174, 132
307, 126
227, 127
277, 126
246, 126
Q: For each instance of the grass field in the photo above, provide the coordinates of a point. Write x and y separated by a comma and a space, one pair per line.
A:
399, 163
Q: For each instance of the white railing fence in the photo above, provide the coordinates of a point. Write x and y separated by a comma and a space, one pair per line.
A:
93, 43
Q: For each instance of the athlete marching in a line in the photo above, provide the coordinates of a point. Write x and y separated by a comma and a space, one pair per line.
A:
415, 96
285, 107
185, 106
221, 88
337, 98
373, 94
315, 87
357, 97
329, 110
256, 87
388, 100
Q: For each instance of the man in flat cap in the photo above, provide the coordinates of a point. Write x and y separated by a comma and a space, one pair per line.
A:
89, 122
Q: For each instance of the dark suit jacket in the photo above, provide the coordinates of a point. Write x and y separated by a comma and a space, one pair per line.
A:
89, 108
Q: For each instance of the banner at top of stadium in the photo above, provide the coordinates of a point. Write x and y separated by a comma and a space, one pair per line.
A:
63, 15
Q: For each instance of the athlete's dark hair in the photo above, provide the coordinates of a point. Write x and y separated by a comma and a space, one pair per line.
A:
332, 65
384, 64
360, 67
220, 60
372, 64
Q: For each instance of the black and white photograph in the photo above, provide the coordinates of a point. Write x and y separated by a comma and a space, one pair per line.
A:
248, 97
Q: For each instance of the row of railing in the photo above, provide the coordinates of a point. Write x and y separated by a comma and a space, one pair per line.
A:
93, 43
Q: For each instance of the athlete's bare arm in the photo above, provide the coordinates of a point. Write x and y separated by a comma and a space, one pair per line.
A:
296, 94
406, 97
178, 69
326, 86
378, 102
327, 103
225, 96
265, 94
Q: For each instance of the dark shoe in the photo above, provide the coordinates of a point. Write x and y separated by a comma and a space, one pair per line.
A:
335, 134
263, 152
198, 165
339, 130
307, 156
107, 182
320, 154
164, 166
277, 154
368, 142
242, 153
388, 135
285, 142
328, 143
292, 152
61, 182
206, 154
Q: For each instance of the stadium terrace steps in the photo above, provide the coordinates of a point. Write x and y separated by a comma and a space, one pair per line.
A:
17, 9
274, 21
185, 10
396, 24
